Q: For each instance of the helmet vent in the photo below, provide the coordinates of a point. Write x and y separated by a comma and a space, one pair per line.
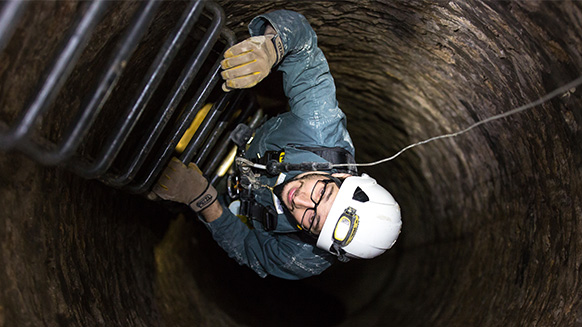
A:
360, 196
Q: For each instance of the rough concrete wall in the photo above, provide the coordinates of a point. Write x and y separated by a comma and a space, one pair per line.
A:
491, 234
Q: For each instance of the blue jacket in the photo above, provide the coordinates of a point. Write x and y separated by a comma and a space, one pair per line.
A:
314, 120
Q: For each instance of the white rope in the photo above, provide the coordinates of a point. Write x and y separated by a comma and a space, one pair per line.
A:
530, 105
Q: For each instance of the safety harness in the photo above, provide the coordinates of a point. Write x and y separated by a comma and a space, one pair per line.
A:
242, 184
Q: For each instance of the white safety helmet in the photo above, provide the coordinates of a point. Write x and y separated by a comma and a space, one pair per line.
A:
363, 222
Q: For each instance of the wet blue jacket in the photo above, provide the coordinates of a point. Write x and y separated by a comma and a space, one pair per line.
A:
314, 120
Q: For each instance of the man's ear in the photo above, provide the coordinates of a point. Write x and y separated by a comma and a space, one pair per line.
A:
341, 175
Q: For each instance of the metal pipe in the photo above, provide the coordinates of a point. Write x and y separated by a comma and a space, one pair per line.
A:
211, 117
170, 104
9, 18
150, 83
199, 99
208, 124
85, 118
55, 77
49, 153
225, 144
211, 142
165, 153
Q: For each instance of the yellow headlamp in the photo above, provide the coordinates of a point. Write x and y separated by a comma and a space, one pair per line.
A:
346, 227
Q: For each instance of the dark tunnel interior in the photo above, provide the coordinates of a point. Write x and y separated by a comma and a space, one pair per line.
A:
492, 219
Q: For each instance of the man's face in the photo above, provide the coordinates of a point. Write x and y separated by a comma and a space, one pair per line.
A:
303, 192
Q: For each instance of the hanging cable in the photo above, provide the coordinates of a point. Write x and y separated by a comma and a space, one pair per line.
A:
530, 105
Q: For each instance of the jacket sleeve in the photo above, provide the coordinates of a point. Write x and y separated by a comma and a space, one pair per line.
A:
265, 253
307, 81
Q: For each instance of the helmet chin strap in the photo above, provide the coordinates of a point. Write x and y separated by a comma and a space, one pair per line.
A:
337, 250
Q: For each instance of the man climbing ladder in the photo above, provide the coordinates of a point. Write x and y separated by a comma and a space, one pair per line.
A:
303, 220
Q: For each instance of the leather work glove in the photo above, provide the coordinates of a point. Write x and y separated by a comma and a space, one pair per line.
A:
185, 184
250, 61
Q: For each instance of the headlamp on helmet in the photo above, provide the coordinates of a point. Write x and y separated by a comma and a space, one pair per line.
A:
363, 222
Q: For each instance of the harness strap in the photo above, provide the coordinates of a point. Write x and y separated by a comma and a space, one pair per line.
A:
266, 215
335, 155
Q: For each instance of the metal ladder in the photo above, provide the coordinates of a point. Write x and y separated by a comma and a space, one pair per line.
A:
140, 169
